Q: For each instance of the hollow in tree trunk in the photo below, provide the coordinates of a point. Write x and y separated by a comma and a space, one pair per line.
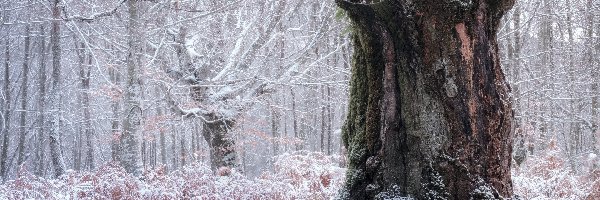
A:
429, 112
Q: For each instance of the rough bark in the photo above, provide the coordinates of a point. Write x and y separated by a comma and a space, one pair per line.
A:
55, 152
221, 145
429, 113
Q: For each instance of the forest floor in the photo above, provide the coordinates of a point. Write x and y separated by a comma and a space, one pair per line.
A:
301, 175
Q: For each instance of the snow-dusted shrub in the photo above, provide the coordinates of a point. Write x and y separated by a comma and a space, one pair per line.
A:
315, 175
548, 176
301, 175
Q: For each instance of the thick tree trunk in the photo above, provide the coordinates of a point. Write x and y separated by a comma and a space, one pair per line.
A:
221, 145
429, 112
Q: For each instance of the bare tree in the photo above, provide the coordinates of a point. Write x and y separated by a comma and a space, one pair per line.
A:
55, 96
128, 145
40, 152
5, 112
23, 98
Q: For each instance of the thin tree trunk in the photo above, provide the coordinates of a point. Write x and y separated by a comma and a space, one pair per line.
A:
295, 122
23, 98
182, 150
55, 97
594, 73
275, 118
78, 137
128, 145
174, 147
546, 46
193, 144
153, 151
163, 143
429, 112
5, 113
40, 155
520, 151
87, 114
199, 140
115, 79
76, 150
575, 129
323, 121
275, 113
329, 120
144, 152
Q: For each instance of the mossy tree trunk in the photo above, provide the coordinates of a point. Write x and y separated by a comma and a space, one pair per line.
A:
429, 112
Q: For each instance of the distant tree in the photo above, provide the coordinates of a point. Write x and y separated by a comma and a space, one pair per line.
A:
23, 98
40, 150
55, 94
128, 145
5, 112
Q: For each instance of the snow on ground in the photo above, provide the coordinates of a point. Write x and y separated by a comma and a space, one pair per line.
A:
300, 175
549, 176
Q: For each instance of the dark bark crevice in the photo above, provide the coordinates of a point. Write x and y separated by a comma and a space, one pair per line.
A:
428, 101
